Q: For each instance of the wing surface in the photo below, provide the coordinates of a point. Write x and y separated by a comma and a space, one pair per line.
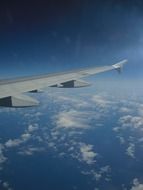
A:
14, 87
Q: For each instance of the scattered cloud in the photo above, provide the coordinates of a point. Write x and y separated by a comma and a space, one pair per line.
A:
137, 185
33, 127
25, 137
87, 153
6, 185
13, 143
70, 116
72, 119
121, 139
30, 150
130, 121
2, 157
131, 150
140, 109
98, 174
100, 101
125, 110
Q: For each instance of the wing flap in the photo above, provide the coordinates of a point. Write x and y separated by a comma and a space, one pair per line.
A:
72, 84
18, 101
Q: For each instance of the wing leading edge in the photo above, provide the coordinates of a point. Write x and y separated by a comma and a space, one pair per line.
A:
11, 90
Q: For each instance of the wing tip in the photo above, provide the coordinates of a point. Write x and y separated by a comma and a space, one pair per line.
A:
119, 66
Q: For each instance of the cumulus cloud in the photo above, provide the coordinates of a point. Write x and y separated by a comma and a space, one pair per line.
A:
137, 185
131, 121
100, 101
33, 127
27, 135
105, 169
87, 153
16, 142
121, 139
72, 119
30, 150
13, 143
102, 172
68, 99
2, 157
131, 150
6, 185
125, 110
98, 174
140, 109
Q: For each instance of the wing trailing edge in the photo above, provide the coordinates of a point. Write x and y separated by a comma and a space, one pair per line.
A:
18, 101
72, 84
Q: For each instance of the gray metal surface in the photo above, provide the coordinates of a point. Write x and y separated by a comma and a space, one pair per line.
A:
14, 87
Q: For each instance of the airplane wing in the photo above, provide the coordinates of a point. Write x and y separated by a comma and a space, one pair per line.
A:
11, 90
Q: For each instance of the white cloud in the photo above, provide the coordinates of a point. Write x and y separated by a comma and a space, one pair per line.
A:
137, 185
16, 142
2, 157
52, 145
70, 116
72, 119
102, 172
6, 185
131, 121
122, 140
25, 136
140, 109
105, 169
125, 120
32, 127
125, 110
100, 101
116, 129
69, 100
99, 174
13, 143
87, 154
131, 150
30, 150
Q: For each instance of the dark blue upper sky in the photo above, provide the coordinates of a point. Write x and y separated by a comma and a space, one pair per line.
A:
44, 36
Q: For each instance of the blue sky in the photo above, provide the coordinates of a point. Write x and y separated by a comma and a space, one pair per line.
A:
49, 37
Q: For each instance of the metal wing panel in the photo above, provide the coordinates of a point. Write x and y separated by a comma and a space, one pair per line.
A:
26, 84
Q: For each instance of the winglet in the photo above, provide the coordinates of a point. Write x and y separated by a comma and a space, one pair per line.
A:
119, 66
